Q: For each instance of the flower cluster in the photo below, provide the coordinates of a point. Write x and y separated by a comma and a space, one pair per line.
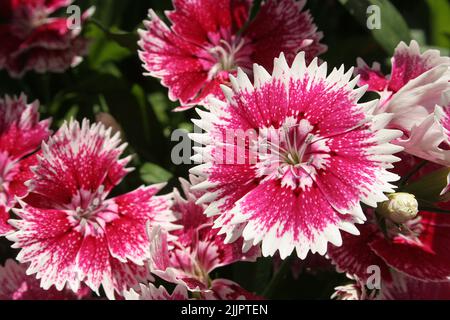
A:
209, 41
292, 161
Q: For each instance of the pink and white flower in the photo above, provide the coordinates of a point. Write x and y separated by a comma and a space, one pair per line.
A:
21, 134
15, 284
207, 42
187, 256
150, 292
310, 155
31, 39
69, 231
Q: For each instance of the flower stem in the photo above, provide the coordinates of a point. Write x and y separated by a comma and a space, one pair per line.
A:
414, 170
277, 278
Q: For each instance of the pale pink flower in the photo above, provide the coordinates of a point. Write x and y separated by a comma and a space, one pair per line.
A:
442, 113
206, 43
21, 134
32, 39
413, 88
429, 139
326, 154
15, 284
417, 84
189, 254
355, 290
69, 231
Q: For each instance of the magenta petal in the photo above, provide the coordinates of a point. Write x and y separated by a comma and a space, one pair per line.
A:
282, 26
5, 227
372, 77
21, 130
127, 240
291, 223
174, 266
168, 56
355, 256
94, 263
15, 284
408, 288
197, 20
222, 289
126, 235
52, 259
17, 186
128, 275
408, 63
78, 158
428, 260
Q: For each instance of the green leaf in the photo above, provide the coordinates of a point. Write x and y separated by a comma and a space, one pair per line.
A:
430, 186
128, 40
104, 52
125, 40
152, 173
160, 105
393, 27
439, 22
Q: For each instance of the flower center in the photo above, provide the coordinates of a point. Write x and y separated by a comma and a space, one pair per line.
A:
89, 212
228, 56
292, 153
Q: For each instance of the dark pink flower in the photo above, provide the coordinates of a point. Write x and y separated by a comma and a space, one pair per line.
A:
21, 134
69, 231
418, 249
289, 158
204, 45
408, 288
355, 256
189, 254
15, 284
31, 39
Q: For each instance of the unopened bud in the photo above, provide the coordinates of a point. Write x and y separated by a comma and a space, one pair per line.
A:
400, 208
